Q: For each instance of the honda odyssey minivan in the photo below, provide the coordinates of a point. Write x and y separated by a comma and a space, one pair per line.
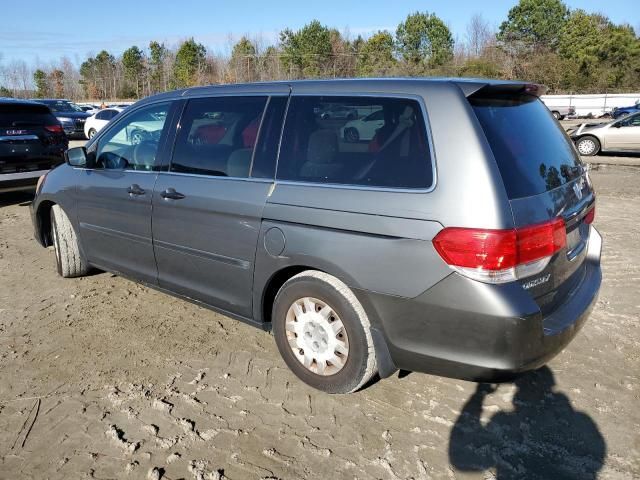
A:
456, 240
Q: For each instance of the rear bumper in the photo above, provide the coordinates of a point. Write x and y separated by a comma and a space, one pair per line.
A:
10, 182
466, 329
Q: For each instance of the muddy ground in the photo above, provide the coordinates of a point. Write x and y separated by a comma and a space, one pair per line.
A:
102, 378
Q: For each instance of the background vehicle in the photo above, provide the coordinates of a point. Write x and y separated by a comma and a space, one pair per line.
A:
360, 257
31, 142
560, 112
120, 105
89, 108
619, 135
363, 128
70, 115
327, 112
98, 120
622, 111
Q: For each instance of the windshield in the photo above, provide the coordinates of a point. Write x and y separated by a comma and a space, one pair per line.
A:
533, 153
63, 106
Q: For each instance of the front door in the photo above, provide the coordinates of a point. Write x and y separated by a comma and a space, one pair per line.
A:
624, 134
114, 195
207, 209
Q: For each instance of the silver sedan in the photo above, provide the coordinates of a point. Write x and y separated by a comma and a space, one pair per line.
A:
620, 135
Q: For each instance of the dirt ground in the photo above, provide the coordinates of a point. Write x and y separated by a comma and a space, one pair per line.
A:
102, 378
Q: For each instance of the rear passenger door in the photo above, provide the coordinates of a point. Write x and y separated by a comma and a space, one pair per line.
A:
207, 208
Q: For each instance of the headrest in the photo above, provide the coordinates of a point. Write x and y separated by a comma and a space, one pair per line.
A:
323, 146
239, 163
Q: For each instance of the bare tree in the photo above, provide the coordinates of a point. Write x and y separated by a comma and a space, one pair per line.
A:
479, 35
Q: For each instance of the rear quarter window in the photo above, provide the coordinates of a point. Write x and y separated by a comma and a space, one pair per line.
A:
358, 141
533, 153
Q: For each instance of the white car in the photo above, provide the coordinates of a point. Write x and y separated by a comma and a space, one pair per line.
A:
363, 128
96, 122
90, 108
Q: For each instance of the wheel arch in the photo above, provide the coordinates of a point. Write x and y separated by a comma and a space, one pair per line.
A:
273, 285
43, 217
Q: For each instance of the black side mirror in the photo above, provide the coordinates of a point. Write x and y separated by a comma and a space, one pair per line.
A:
76, 157
617, 125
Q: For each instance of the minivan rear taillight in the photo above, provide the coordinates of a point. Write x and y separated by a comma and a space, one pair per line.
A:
501, 256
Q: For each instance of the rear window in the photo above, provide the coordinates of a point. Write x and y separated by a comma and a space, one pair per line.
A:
361, 141
24, 114
533, 153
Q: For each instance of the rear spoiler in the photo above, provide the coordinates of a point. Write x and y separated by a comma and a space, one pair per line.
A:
492, 89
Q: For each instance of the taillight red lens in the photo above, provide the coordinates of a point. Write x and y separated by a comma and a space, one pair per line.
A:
54, 128
476, 248
590, 216
500, 249
539, 241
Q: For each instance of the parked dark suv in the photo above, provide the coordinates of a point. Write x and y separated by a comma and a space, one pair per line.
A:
456, 241
31, 142
71, 116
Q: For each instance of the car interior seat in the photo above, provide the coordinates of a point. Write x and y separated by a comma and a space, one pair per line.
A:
322, 150
239, 163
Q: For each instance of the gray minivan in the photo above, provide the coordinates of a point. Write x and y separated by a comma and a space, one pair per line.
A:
454, 239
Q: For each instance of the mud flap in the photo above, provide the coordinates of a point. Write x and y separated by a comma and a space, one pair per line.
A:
386, 367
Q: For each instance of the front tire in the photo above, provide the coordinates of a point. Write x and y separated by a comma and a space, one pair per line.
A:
588, 145
323, 333
92, 133
137, 137
69, 259
352, 135
557, 115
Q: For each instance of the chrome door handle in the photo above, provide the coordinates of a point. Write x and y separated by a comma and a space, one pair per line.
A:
171, 194
135, 190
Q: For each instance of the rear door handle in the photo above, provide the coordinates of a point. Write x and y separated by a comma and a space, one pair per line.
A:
135, 190
171, 194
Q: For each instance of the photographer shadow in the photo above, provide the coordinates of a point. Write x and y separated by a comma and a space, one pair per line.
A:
542, 437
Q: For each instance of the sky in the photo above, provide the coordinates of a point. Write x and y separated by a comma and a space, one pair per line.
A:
49, 30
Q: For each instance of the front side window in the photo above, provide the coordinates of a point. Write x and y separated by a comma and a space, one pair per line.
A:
363, 141
631, 121
133, 143
217, 136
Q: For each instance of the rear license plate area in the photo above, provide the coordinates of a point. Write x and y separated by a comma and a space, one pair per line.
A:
576, 240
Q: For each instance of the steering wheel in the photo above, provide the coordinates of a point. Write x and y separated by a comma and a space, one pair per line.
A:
144, 155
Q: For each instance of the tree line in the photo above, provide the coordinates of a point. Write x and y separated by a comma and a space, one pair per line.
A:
540, 41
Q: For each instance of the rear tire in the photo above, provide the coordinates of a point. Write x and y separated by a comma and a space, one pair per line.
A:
69, 259
316, 312
588, 145
557, 115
